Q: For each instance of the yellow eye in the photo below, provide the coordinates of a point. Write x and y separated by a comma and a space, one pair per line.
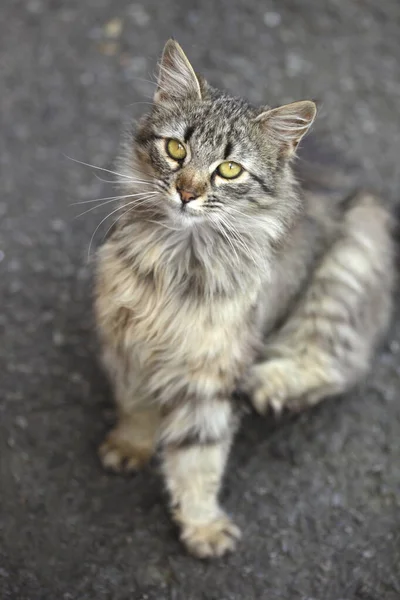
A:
229, 170
175, 149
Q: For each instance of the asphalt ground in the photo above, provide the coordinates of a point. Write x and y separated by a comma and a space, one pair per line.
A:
317, 496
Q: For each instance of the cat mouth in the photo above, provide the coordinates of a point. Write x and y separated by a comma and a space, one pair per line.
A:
188, 213
185, 209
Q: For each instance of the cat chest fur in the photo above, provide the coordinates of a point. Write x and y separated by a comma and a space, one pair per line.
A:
174, 343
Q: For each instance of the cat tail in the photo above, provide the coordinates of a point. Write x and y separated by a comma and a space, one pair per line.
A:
321, 169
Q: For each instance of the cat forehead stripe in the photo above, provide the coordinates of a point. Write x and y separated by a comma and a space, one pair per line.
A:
228, 150
188, 133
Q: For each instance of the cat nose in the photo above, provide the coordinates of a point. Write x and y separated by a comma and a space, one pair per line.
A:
187, 195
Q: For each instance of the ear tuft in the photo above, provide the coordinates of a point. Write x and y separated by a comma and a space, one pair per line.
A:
177, 79
288, 123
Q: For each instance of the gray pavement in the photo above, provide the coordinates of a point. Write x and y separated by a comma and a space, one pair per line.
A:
317, 496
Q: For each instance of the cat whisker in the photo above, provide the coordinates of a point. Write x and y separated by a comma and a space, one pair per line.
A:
133, 202
251, 219
108, 180
238, 236
122, 181
80, 162
242, 214
111, 226
116, 220
139, 197
112, 198
231, 230
223, 233
133, 170
163, 225
120, 217
136, 167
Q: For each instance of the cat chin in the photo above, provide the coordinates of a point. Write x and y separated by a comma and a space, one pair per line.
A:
187, 216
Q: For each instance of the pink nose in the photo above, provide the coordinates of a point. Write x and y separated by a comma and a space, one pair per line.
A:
187, 195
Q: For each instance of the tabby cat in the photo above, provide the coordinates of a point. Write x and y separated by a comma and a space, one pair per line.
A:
223, 275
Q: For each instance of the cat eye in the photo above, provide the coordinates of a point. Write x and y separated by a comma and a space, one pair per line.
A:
175, 149
229, 170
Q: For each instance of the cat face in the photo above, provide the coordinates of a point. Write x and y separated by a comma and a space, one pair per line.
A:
207, 158
211, 156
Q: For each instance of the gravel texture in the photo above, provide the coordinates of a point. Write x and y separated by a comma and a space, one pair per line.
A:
317, 496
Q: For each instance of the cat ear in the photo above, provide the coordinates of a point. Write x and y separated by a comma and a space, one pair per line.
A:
177, 79
288, 123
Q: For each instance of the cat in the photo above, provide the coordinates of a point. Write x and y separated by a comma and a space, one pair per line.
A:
222, 275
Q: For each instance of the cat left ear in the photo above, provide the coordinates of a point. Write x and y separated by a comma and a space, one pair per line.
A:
177, 79
288, 123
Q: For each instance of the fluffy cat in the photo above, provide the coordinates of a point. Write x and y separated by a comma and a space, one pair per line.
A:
222, 275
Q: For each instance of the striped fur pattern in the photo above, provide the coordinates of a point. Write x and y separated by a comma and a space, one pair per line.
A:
252, 285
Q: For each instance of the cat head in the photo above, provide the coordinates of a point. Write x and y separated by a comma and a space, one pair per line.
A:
210, 156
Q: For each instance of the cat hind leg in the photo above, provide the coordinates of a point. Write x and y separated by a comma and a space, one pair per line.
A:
327, 343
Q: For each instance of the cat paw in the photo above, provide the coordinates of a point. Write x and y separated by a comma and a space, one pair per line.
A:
284, 384
120, 455
266, 387
212, 539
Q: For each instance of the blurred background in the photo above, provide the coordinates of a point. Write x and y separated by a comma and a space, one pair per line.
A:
317, 496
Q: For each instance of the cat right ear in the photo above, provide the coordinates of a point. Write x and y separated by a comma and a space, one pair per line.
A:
288, 123
177, 79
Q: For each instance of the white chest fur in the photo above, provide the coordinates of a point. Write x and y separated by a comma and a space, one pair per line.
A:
172, 341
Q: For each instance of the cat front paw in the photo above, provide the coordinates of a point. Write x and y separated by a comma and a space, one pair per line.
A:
284, 384
212, 539
266, 387
121, 456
